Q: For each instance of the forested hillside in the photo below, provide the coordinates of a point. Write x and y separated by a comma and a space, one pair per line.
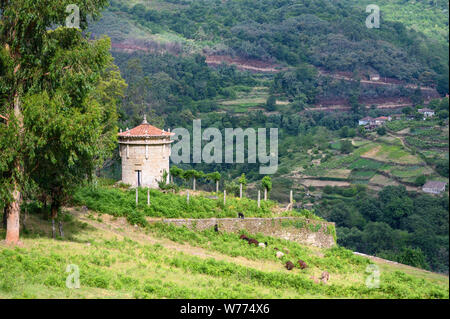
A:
326, 34
294, 65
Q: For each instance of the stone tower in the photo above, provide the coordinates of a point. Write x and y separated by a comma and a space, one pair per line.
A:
145, 152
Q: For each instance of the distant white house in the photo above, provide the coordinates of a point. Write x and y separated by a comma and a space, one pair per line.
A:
366, 121
434, 187
371, 123
426, 112
374, 77
382, 119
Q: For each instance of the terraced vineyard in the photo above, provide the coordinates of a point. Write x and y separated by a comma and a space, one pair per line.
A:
397, 158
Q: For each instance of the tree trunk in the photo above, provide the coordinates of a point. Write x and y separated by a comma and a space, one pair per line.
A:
13, 217
240, 190
13, 209
265, 194
53, 229
61, 233
54, 209
217, 186
194, 184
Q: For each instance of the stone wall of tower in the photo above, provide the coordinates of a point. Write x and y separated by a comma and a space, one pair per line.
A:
149, 156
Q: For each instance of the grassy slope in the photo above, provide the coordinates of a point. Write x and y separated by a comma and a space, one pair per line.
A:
117, 260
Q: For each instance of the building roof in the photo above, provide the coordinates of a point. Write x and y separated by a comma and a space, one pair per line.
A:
435, 184
382, 118
144, 130
425, 110
367, 118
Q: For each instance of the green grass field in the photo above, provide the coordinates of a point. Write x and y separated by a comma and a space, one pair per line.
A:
117, 260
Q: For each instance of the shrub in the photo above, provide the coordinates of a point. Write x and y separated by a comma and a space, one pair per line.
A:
420, 180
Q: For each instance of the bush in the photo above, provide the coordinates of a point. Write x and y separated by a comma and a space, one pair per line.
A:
420, 180
346, 146
271, 103
381, 131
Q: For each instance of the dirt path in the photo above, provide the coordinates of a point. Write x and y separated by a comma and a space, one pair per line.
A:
380, 82
339, 107
243, 64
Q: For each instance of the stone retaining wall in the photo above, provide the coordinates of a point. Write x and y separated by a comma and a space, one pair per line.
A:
301, 230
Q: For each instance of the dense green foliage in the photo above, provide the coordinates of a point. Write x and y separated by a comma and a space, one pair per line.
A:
163, 85
60, 100
119, 202
405, 226
333, 35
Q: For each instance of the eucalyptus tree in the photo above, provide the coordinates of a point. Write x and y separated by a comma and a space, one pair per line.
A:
175, 171
48, 74
197, 176
192, 174
242, 184
188, 174
214, 176
266, 184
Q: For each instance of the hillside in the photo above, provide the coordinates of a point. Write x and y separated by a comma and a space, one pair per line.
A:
399, 157
117, 260
266, 31
95, 95
221, 61
311, 69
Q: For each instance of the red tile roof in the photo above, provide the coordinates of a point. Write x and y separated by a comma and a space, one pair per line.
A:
144, 130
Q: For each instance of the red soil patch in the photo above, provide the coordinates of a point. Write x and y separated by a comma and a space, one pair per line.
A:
243, 64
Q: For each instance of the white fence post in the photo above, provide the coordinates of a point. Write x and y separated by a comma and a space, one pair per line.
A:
259, 198
137, 196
